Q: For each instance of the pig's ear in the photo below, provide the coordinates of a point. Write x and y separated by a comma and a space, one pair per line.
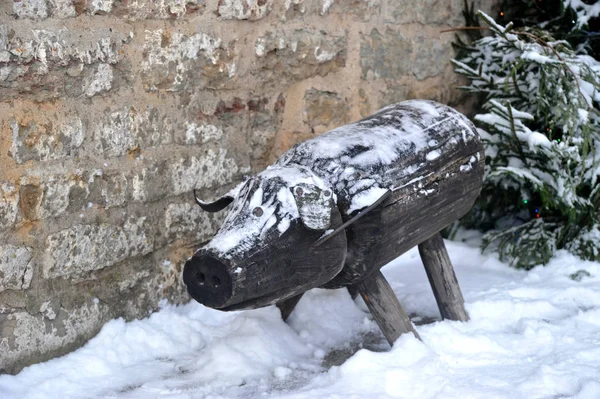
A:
221, 203
214, 206
314, 206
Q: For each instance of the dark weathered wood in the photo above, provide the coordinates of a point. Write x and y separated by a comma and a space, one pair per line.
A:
270, 274
385, 307
353, 291
436, 196
442, 278
423, 160
287, 306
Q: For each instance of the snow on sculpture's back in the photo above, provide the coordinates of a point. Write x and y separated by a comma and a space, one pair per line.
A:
334, 209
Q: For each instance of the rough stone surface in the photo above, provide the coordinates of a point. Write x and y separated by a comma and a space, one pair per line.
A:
40, 140
244, 9
174, 61
125, 130
42, 64
15, 268
8, 205
35, 9
187, 220
194, 171
325, 110
385, 55
431, 12
112, 112
299, 54
360, 10
83, 248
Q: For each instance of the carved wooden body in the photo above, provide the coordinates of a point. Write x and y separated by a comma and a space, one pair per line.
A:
431, 185
333, 210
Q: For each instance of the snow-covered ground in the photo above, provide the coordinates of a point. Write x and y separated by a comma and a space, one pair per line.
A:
532, 335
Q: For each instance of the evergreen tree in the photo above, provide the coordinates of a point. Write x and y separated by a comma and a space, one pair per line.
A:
540, 124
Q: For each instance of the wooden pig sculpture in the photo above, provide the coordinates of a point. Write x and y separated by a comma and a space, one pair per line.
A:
334, 209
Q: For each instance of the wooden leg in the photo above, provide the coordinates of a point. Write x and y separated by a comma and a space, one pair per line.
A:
442, 279
385, 307
287, 306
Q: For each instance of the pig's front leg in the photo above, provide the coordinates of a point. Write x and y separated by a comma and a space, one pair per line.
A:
287, 306
385, 307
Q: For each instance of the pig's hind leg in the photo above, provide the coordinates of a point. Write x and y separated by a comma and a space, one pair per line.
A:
442, 278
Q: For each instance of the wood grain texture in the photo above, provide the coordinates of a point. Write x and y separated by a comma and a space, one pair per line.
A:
278, 270
385, 307
438, 195
443, 279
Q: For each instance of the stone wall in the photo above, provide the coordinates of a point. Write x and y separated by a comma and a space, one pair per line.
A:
112, 111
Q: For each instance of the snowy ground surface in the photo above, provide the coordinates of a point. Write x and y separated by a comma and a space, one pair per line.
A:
532, 335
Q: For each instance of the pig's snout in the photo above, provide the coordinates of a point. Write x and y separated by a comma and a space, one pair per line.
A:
208, 281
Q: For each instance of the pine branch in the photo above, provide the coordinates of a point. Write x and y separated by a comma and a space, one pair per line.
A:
557, 54
463, 28
514, 132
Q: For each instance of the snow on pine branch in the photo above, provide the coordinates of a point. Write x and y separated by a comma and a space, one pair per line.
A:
541, 132
584, 11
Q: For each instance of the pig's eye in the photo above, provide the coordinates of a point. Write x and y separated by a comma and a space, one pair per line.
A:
258, 211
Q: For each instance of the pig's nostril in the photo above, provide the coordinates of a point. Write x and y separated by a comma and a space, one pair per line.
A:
200, 277
216, 282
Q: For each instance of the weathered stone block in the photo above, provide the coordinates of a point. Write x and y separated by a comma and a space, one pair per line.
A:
43, 140
51, 196
385, 56
429, 12
213, 169
45, 64
100, 81
325, 109
151, 182
15, 267
23, 334
9, 199
130, 10
64, 8
431, 56
152, 9
395, 93
30, 198
299, 54
129, 129
295, 7
361, 10
174, 61
42, 9
114, 186
158, 179
34, 9
100, 6
188, 221
198, 134
84, 248
244, 9
113, 136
